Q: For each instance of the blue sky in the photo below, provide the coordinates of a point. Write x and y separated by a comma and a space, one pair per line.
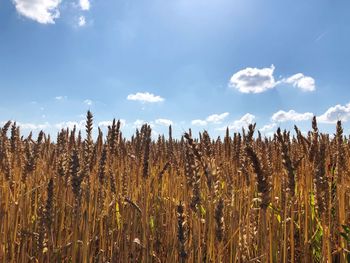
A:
205, 64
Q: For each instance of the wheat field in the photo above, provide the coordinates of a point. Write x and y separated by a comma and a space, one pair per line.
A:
240, 198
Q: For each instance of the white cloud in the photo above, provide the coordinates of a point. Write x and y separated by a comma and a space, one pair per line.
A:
217, 118
253, 80
82, 21
33, 126
292, 115
164, 122
109, 123
84, 4
29, 125
122, 123
268, 127
104, 123
335, 113
80, 125
145, 97
214, 118
42, 11
88, 102
70, 124
243, 122
198, 122
258, 80
59, 98
139, 123
302, 82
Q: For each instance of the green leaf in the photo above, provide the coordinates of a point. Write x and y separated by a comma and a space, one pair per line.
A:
346, 229
346, 233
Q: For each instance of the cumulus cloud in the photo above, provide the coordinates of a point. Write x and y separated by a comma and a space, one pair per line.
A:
164, 122
268, 127
42, 11
80, 125
217, 118
84, 4
243, 122
292, 115
214, 118
145, 97
82, 21
258, 80
335, 113
302, 82
253, 80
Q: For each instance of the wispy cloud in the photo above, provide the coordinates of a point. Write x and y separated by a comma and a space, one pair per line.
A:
145, 97
88, 102
42, 11
60, 98
322, 35
198, 122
